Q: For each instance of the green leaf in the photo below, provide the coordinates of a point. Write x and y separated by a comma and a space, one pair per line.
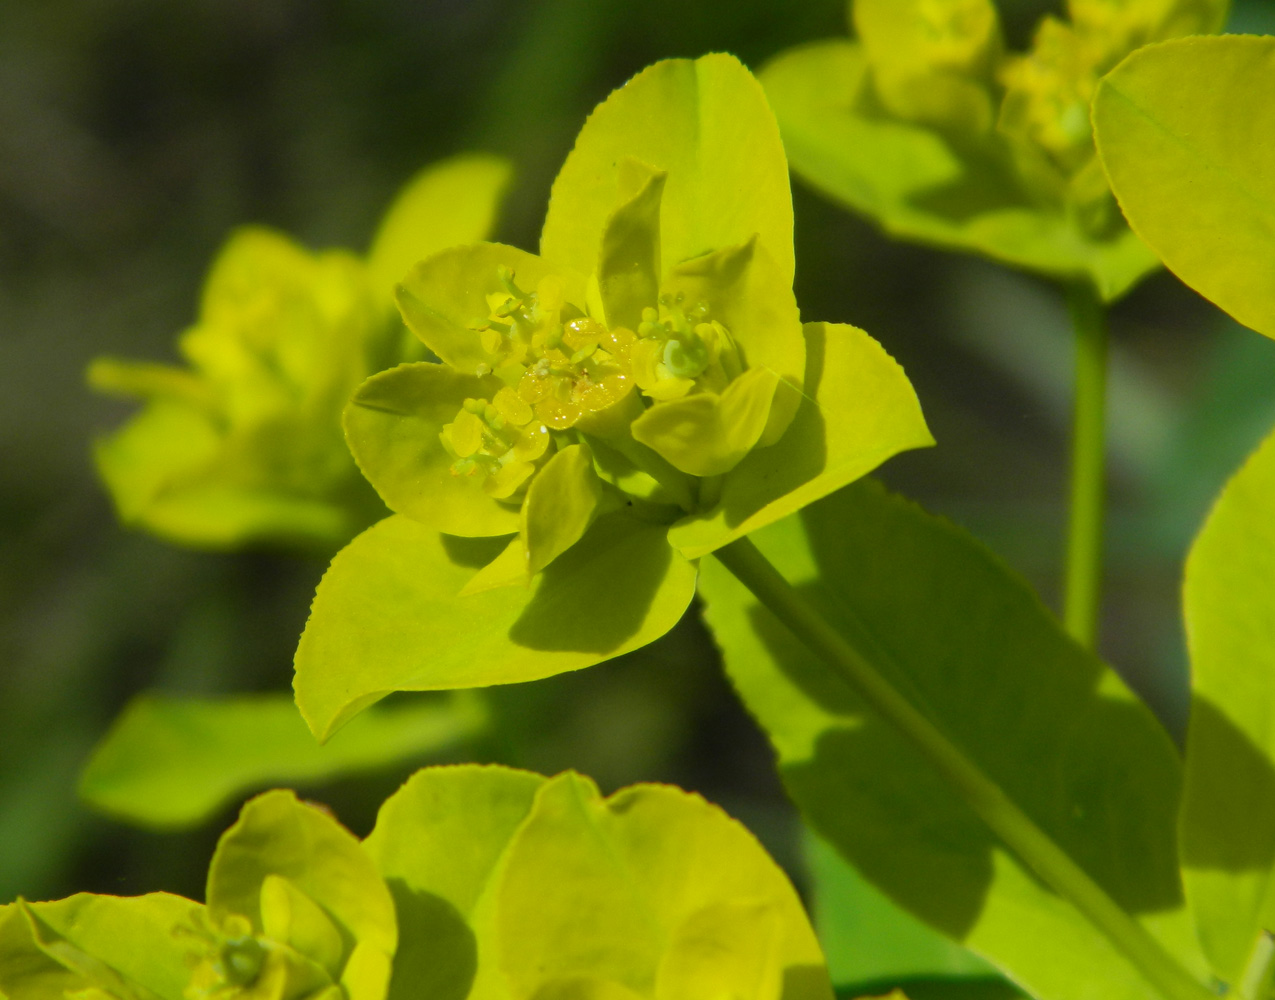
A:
682, 901
917, 186
450, 202
869, 939
276, 835
170, 762
561, 504
438, 842
858, 410
1228, 813
629, 264
1178, 126
707, 434
392, 425
444, 297
124, 945
387, 615
971, 647
707, 125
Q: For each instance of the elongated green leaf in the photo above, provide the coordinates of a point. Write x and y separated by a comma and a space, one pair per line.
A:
706, 123
1228, 815
972, 647
917, 186
388, 616
1182, 130
448, 203
170, 762
858, 410
276, 835
870, 940
126, 946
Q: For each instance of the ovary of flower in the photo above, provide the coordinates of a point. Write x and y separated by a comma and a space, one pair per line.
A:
500, 440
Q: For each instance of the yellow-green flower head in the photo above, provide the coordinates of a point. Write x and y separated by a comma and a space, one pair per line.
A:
296, 910
243, 444
679, 367
940, 63
602, 413
1047, 95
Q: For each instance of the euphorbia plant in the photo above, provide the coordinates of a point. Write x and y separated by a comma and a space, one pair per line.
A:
243, 446
930, 127
636, 396
476, 881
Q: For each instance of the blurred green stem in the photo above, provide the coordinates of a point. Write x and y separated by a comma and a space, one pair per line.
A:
1088, 466
1006, 820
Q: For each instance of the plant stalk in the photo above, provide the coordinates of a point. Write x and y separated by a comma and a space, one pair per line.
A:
1083, 581
1015, 829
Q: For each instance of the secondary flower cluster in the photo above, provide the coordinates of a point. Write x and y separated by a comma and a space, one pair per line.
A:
484, 902
943, 63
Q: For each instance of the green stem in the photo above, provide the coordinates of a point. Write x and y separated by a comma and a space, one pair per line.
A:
1088, 457
1053, 865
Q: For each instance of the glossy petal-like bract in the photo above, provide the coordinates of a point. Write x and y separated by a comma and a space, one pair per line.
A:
552, 890
858, 410
244, 445
1182, 128
388, 615
477, 883
707, 125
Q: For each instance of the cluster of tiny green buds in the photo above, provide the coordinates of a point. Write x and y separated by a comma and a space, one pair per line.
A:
1047, 95
679, 347
499, 440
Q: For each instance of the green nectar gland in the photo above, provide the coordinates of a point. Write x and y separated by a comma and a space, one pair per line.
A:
679, 348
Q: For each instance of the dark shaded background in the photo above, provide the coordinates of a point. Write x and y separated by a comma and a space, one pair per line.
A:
134, 134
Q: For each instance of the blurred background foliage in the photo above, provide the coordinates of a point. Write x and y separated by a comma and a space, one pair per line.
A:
134, 134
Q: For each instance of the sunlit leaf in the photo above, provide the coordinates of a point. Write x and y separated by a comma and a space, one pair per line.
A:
681, 900
973, 648
388, 616
438, 842
171, 762
87, 941
1228, 816
1181, 128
